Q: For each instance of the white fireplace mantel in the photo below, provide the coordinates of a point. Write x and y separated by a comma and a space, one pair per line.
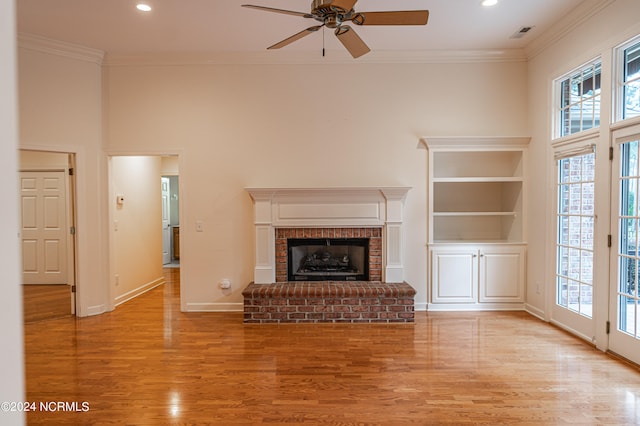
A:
328, 207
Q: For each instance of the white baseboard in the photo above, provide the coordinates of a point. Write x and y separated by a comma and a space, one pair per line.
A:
536, 312
215, 307
93, 310
444, 307
138, 291
419, 307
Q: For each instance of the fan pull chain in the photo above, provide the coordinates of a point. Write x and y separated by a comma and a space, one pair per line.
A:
323, 42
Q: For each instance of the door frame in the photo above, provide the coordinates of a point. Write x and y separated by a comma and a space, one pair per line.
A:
71, 214
619, 343
179, 153
579, 325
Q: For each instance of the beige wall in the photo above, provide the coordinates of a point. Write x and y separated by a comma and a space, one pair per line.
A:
60, 99
237, 126
12, 387
136, 238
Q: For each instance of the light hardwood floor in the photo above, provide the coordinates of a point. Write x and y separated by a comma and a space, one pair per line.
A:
147, 363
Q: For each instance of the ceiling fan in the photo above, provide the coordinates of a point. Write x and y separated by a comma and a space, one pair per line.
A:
334, 13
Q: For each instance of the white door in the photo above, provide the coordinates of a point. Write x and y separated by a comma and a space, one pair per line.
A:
454, 276
44, 230
166, 220
574, 246
624, 315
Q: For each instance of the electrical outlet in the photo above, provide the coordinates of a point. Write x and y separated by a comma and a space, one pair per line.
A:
117, 280
225, 284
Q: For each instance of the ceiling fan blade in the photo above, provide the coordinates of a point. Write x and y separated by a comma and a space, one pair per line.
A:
271, 9
351, 41
343, 6
295, 37
404, 17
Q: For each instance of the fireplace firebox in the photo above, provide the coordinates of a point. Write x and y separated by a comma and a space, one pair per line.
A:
328, 259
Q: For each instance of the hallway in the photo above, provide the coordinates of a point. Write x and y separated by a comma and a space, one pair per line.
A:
147, 363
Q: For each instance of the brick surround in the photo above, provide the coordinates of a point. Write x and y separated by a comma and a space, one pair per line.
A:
375, 246
329, 301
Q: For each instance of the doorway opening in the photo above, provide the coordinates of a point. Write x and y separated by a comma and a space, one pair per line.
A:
47, 234
144, 217
170, 221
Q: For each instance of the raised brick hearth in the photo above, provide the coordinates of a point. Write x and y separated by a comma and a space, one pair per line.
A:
329, 301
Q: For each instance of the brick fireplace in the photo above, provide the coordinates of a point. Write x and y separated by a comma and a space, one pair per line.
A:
374, 214
374, 235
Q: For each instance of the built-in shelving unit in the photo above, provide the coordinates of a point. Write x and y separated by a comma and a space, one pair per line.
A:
477, 235
476, 189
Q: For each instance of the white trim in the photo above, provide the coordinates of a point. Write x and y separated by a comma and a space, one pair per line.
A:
215, 307
617, 79
332, 208
536, 312
60, 48
132, 294
420, 307
95, 310
564, 27
446, 307
572, 330
556, 106
586, 135
470, 142
332, 57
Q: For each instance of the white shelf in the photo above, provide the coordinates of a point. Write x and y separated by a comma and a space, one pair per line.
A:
477, 189
478, 179
444, 214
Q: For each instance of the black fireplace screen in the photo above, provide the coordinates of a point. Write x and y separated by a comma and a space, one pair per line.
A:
328, 259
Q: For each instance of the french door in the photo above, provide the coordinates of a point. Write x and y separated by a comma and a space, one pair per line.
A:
624, 301
575, 222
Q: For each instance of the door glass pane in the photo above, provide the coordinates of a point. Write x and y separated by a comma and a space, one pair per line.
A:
628, 256
575, 226
631, 82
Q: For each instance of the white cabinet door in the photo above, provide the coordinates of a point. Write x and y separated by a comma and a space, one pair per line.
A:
454, 275
502, 274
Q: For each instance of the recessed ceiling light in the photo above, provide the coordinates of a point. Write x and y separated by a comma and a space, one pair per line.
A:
143, 7
489, 2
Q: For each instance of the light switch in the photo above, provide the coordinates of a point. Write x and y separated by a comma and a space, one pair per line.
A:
199, 226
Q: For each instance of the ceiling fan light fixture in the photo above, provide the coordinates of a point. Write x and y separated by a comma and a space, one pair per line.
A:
335, 13
487, 3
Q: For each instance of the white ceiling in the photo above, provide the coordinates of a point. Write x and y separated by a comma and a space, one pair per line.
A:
115, 26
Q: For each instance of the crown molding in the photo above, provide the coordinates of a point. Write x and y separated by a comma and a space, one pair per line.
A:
304, 57
566, 25
60, 48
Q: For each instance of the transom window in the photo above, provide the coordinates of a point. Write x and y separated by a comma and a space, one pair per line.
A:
578, 107
629, 80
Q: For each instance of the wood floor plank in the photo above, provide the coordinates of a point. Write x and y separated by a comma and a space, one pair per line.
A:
147, 363
46, 301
